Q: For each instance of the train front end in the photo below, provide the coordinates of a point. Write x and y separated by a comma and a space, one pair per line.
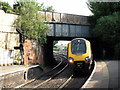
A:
80, 54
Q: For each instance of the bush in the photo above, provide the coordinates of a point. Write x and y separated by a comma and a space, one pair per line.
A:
6, 7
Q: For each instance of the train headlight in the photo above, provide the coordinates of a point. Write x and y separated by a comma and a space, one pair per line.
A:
71, 60
87, 59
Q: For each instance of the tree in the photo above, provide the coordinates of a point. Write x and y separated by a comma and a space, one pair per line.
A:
105, 24
6, 7
43, 8
28, 21
100, 9
108, 27
105, 20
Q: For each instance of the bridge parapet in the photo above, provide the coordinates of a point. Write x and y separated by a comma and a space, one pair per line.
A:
55, 17
66, 25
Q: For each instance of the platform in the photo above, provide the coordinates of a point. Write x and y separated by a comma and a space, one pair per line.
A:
15, 75
105, 75
13, 68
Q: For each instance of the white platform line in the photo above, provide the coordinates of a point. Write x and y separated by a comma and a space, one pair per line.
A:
18, 70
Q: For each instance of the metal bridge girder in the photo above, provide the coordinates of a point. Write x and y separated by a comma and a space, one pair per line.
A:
66, 25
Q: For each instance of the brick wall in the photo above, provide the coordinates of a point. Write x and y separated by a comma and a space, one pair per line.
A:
33, 53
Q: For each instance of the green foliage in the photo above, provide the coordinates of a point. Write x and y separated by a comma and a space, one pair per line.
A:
105, 20
100, 9
105, 24
43, 8
6, 7
28, 21
103, 8
108, 27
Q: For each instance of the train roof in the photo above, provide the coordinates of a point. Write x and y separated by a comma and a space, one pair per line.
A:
79, 39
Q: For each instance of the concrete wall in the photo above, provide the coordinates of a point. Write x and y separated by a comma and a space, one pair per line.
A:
8, 35
14, 79
9, 38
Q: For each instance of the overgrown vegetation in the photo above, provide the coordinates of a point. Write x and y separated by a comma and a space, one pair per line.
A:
29, 21
105, 24
43, 8
6, 7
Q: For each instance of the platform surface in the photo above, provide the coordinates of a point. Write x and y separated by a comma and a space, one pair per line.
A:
13, 68
107, 75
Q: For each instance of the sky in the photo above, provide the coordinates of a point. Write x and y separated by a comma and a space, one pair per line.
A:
78, 7
60, 43
69, 6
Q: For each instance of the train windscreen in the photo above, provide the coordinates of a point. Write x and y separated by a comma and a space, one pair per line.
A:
78, 47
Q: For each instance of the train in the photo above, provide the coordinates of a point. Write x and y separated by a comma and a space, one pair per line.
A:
79, 54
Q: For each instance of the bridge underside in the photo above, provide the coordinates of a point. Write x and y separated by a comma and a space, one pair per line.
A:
68, 30
95, 44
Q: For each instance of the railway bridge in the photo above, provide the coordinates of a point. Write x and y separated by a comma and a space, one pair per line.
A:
66, 27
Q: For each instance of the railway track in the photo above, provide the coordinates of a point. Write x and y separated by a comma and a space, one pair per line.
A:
35, 83
65, 80
78, 82
57, 79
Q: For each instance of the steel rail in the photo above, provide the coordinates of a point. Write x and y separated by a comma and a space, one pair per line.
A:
49, 79
84, 85
33, 80
65, 83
